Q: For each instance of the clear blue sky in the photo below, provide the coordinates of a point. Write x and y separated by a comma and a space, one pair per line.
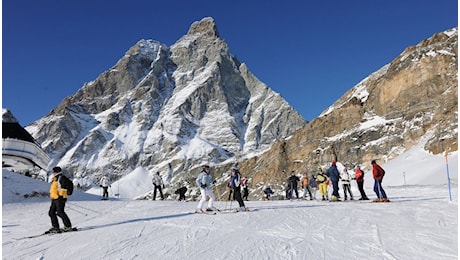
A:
311, 52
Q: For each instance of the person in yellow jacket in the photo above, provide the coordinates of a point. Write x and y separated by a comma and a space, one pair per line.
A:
58, 198
322, 182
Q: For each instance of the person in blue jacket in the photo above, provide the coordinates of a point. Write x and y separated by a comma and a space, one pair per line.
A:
204, 181
268, 191
333, 175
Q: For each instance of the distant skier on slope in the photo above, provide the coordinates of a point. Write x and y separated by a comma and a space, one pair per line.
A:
322, 182
359, 176
305, 181
105, 184
333, 175
157, 182
292, 184
378, 174
268, 192
313, 186
345, 178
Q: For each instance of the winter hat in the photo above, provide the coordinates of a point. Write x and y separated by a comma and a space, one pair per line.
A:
57, 169
206, 167
373, 162
333, 163
235, 168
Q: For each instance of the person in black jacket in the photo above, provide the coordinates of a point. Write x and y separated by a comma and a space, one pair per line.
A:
235, 185
292, 183
181, 191
334, 176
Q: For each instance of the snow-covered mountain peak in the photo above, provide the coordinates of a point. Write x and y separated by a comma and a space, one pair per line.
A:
167, 109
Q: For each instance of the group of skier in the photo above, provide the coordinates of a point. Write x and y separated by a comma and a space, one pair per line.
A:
205, 182
332, 177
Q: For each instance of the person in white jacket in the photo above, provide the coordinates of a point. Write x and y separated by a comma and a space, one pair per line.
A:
204, 181
105, 184
157, 182
345, 178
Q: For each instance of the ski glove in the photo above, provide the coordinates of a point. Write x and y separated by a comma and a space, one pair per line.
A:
203, 185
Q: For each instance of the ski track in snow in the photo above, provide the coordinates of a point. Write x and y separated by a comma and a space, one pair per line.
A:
419, 223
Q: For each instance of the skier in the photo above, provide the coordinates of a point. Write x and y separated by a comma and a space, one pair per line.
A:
378, 174
359, 176
322, 182
345, 178
105, 184
244, 185
58, 197
235, 185
292, 182
204, 181
306, 186
268, 191
333, 175
313, 186
181, 191
157, 182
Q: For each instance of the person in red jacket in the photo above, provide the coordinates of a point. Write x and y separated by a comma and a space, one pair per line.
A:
359, 176
378, 173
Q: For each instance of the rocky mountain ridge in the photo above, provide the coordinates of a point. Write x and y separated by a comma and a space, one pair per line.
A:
414, 96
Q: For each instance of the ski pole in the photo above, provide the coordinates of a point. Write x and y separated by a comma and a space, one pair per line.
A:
77, 211
404, 176
85, 208
448, 177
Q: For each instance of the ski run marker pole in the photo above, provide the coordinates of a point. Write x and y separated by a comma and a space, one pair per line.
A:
448, 177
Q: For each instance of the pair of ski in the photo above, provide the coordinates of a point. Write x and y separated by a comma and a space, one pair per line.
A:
48, 233
218, 211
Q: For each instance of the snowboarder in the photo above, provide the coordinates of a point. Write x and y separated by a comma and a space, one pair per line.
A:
58, 197
157, 182
322, 181
235, 185
359, 176
204, 181
105, 184
292, 183
345, 178
378, 174
333, 175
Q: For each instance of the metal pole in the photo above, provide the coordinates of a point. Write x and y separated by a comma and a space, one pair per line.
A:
448, 177
404, 176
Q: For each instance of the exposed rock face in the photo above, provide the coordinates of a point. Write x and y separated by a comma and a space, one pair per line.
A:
382, 116
166, 109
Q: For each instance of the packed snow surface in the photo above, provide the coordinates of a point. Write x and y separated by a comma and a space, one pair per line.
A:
420, 222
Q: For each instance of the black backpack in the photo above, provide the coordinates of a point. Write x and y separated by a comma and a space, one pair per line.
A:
67, 184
